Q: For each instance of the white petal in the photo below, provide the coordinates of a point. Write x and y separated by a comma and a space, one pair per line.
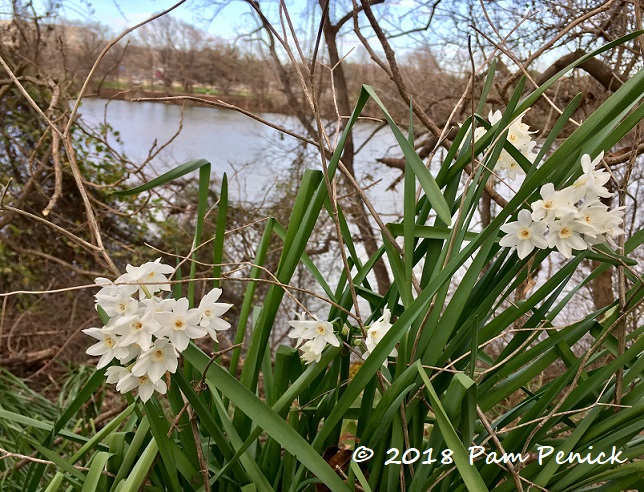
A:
145, 391
127, 383
539, 242
156, 371
94, 333
141, 367
105, 360
161, 387
508, 241
97, 349
524, 248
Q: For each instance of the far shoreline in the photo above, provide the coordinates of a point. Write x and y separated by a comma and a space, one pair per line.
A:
256, 104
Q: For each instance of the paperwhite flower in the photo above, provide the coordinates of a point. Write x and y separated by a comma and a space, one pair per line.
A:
144, 385
574, 218
513, 169
524, 234
308, 354
377, 331
137, 328
117, 301
565, 235
151, 330
519, 136
110, 289
115, 373
106, 347
300, 327
593, 180
494, 117
320, 333
181, 325
152, 276
211, 311
161, 358
554, 204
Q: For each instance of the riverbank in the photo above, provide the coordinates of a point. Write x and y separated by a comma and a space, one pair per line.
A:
255, 103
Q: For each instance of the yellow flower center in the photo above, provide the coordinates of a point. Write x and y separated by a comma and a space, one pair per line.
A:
548, 204
143, 379
525, 234
565, 233
137, 325
321, 329
108, 342
179, 324
158, 355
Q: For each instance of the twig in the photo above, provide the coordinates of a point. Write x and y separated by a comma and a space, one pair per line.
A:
515, 474
6, 454
199, 387
621, 286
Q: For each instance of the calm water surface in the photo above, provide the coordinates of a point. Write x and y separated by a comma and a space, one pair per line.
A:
253, 155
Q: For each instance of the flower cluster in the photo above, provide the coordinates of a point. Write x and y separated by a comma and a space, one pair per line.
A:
572, 218
145, 332
315, 334
519, 136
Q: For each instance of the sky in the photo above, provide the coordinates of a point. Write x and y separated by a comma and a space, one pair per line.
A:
233, 17
120, 14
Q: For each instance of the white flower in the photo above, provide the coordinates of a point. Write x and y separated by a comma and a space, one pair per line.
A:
116, 373
153, 330
574, 218
519, 136
137, 328
377, 331
151, 276
117, 300
161, 357
308, 354
318, 332
211, 312
109, 288
181, 325
494, 117
514, 169
479, 132
593, 180
106, 347
144, 384
301, 326
524, 234
565, 235
554, 204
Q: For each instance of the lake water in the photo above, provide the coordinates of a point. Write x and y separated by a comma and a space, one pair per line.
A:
252, 154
